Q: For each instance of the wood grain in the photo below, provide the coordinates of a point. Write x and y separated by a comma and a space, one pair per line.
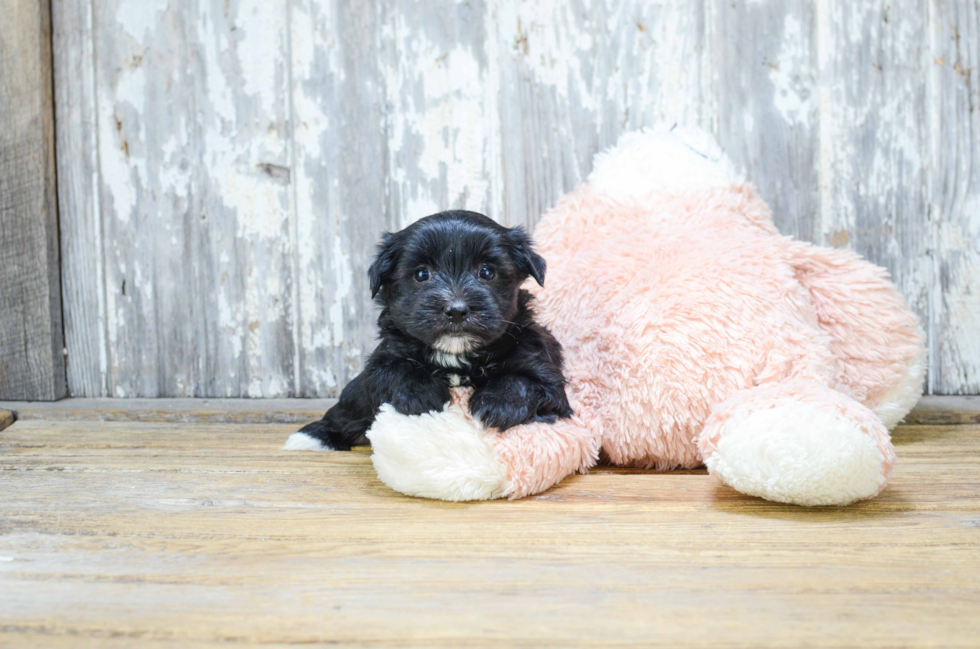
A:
79, 179
228, 411
228, 165
341, 192
954, 120
931, 410
570, 77
873, 139
145, 533
31, 336
764, 75
938, 410
442, 131
192, 112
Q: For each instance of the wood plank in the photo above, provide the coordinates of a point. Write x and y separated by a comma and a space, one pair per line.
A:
443, 125
954, 123
194, 153
873, 139
571, 78
939, 410
197, 534
931, 410
321, 123
79, 179
229, 411
32, 364
6, 418
764, 81
340, 114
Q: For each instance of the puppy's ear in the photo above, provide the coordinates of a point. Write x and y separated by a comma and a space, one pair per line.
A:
527, 261
385, 261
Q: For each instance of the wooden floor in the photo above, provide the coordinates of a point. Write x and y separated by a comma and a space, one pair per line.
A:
132, 534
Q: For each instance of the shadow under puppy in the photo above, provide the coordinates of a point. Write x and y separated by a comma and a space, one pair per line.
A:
453, 314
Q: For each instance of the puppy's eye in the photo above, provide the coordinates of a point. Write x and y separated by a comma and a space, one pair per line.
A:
422, 275
487, 273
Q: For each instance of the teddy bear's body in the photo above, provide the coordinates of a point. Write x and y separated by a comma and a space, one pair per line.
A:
694, 334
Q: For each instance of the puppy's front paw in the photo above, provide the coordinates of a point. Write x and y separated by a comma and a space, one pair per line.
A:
500, 408
317, 436
427, 397
304, 442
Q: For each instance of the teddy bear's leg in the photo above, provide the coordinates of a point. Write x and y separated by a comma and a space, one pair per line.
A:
875, 337
449, 456
798, 442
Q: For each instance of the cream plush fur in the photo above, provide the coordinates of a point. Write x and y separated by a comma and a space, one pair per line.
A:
694, 334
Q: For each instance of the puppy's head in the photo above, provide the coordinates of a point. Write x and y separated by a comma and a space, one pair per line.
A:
451, 279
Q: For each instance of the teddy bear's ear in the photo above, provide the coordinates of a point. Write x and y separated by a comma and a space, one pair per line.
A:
385, 261
528, 262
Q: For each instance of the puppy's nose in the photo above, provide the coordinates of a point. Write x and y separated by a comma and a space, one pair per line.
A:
457, 310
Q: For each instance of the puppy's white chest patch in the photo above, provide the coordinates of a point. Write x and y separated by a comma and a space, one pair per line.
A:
454, 380
454, 344
445, 359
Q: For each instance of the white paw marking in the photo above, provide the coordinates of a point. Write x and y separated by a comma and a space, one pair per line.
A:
303, 442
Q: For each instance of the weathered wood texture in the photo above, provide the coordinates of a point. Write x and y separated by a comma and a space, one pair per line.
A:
199, 535
936, 410
873, 148
954, 194
32, 362
79, 178
229, 164
764, 76
931, 410
225, 411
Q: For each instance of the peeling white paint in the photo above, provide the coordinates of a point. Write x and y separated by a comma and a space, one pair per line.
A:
259, 51
240, 192
792, 96
137, 18
341, 264
441, 127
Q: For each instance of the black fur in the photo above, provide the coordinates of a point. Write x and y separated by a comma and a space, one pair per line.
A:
513, 363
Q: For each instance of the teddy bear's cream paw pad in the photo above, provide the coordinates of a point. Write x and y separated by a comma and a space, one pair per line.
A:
303, 442
443, 455
800, 454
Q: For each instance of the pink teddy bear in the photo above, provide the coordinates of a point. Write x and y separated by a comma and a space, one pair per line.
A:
694, 334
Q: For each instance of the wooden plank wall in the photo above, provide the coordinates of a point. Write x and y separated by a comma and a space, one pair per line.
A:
227, 165
953, 186
32, 362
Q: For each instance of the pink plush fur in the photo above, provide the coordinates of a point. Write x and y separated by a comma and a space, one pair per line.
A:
670, 307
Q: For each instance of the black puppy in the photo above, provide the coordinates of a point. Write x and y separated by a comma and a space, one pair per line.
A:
453, 314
